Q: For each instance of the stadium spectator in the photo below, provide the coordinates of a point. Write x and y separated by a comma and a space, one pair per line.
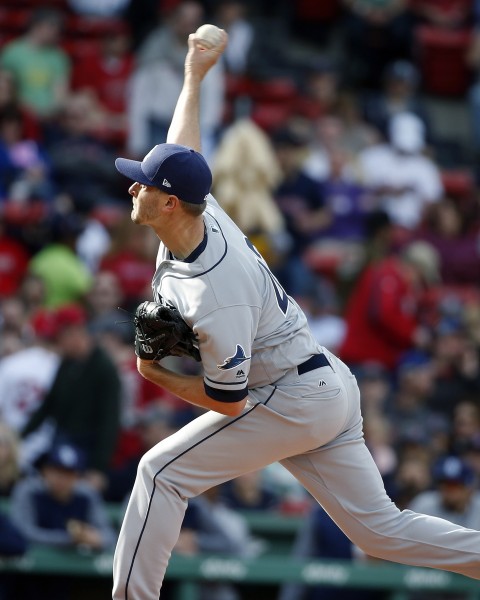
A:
106, 75
410, 411
457, 240
233, 16
320, 88
378, 431
24, 166
405, 180
9, 99
469, 451
249, 492
357, 133
83, 404
25, 379
82, 161
211, 527
157, 81
94, 240
400, 92
457, 372
301, 202
38, 63
114, 332
102, 302
131, 257
340, 243
455, 496
323, 311
13, 324
57, 507
382, 314
65, 277
466, 424
147, 425
31, 294
376, 387
245, 175
413, 473
320, 538
376, 34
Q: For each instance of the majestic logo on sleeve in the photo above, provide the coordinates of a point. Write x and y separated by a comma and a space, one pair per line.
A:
233, 361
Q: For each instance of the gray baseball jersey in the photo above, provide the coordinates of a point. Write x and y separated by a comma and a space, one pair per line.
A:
250, 332
303, 410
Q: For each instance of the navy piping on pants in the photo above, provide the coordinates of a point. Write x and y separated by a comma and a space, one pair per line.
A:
169, 463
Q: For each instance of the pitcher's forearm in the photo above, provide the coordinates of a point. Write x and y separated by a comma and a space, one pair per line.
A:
187, 387
185, 126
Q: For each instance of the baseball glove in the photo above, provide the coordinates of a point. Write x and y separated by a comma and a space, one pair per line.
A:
160, 331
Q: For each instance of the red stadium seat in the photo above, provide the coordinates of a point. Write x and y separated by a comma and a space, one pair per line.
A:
315, 11
441, 59
459, 184
78, 49
13, 21
93, 27
33, 4
278, 90
270, 116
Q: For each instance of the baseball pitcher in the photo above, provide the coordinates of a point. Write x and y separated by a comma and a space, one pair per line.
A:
271, 392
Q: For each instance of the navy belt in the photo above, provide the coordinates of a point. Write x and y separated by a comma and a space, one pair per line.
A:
314, 362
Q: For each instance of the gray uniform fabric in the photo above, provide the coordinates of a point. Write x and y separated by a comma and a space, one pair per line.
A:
251, 334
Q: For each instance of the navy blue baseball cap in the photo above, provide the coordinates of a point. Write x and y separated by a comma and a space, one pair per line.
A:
453, 469
174, 169
65, 456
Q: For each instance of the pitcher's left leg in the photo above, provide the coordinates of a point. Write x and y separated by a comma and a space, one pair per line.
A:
344, 479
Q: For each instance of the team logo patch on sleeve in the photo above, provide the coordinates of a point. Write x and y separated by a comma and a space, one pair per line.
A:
233, 361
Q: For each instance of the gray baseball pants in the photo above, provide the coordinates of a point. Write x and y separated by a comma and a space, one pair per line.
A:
315, 431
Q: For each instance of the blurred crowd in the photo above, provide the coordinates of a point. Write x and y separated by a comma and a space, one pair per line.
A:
325, 149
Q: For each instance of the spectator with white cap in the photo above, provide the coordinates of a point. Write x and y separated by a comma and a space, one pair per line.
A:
404, 179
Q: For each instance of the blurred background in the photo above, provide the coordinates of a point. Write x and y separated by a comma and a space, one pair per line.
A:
344, 139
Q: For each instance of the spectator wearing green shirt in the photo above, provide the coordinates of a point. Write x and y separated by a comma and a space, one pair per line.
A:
40, 66
65, 276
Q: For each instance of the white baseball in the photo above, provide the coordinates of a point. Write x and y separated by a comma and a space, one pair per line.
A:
210, 36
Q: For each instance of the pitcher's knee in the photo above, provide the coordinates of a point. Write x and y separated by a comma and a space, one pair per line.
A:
153, 471
146, 469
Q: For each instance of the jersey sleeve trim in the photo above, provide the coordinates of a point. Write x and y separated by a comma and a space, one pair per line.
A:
242, 382
226, 395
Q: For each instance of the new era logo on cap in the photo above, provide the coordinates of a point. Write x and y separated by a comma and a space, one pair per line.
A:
180, 169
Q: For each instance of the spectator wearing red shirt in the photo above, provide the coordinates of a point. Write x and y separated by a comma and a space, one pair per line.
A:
382, 314
13, 263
